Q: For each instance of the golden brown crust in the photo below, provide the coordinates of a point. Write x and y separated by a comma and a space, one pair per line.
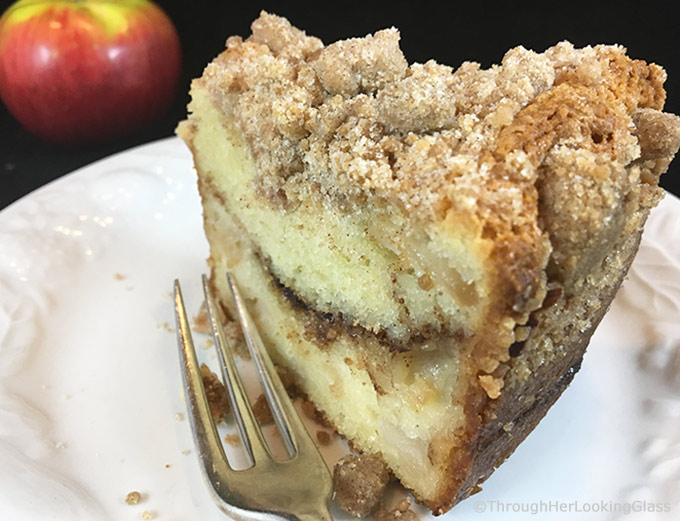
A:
544, 365
593, 118
504, 423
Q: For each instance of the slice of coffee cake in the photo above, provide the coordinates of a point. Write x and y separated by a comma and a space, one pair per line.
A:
428, 251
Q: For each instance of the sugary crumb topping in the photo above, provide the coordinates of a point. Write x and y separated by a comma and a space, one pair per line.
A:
359, 481
360, 65
354, 118
659, 133
355, 110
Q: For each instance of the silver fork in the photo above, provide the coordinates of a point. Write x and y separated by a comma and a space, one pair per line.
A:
296, 489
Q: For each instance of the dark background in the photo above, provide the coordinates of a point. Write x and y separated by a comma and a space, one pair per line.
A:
450, 32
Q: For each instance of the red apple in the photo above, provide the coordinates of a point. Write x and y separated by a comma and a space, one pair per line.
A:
79, 71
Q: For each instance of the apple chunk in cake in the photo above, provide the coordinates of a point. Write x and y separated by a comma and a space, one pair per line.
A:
427, 250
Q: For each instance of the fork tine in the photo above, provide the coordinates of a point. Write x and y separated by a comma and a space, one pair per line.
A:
205, 434
250, 431
296, 489
292, 431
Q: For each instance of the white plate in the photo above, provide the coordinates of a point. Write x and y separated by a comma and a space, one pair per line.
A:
89, 377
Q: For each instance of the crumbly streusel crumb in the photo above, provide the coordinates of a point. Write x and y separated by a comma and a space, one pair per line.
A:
311, 412
218, 399
232, 330
401, 512
201, 321
261, 410
165, 326
133, 497
360, 65
232, 439
422, 101
359, 481
282, 38
323, 437
146, 515
658, 133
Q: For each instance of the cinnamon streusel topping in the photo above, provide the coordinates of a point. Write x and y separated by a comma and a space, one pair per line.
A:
353, 117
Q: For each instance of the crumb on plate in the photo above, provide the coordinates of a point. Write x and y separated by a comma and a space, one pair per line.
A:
401, 512
323, 437
232, 439
359, 481
133, 498
262, 412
